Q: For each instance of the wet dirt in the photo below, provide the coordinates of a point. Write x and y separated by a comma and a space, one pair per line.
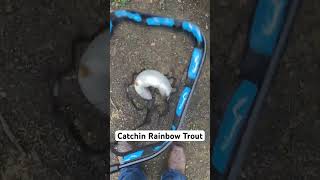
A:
35, 36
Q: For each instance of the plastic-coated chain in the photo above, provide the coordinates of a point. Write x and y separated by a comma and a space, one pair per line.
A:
194, 68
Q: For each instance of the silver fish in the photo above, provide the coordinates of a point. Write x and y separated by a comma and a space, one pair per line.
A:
92, 75
152, 78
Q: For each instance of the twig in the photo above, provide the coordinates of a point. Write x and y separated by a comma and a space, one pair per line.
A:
113, 104
10, 135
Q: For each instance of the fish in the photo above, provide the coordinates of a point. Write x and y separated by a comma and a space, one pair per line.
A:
92, 74
152, 78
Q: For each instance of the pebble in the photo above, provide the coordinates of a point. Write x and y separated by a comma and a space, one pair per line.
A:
153, 44
161, 4
3, 94
9, 8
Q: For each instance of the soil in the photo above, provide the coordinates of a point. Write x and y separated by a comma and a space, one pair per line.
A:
134, 48
36, 36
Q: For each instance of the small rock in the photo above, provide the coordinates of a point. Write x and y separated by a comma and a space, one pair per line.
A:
162, 4
3, 94
153, 44
9, 8
243, 175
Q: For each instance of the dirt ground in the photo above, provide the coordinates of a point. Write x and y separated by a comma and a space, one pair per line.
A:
286, 144
134, 48
34, 36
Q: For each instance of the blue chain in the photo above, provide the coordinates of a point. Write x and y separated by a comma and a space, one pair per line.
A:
194, 68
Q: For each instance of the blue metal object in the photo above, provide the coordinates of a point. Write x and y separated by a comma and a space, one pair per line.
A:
195, 66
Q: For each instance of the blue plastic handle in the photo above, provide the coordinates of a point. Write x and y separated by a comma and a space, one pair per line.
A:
195, 63
160, 21
132, 156
194, 29
267, 25
130, 15
263, 38
234, 118
182, 101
